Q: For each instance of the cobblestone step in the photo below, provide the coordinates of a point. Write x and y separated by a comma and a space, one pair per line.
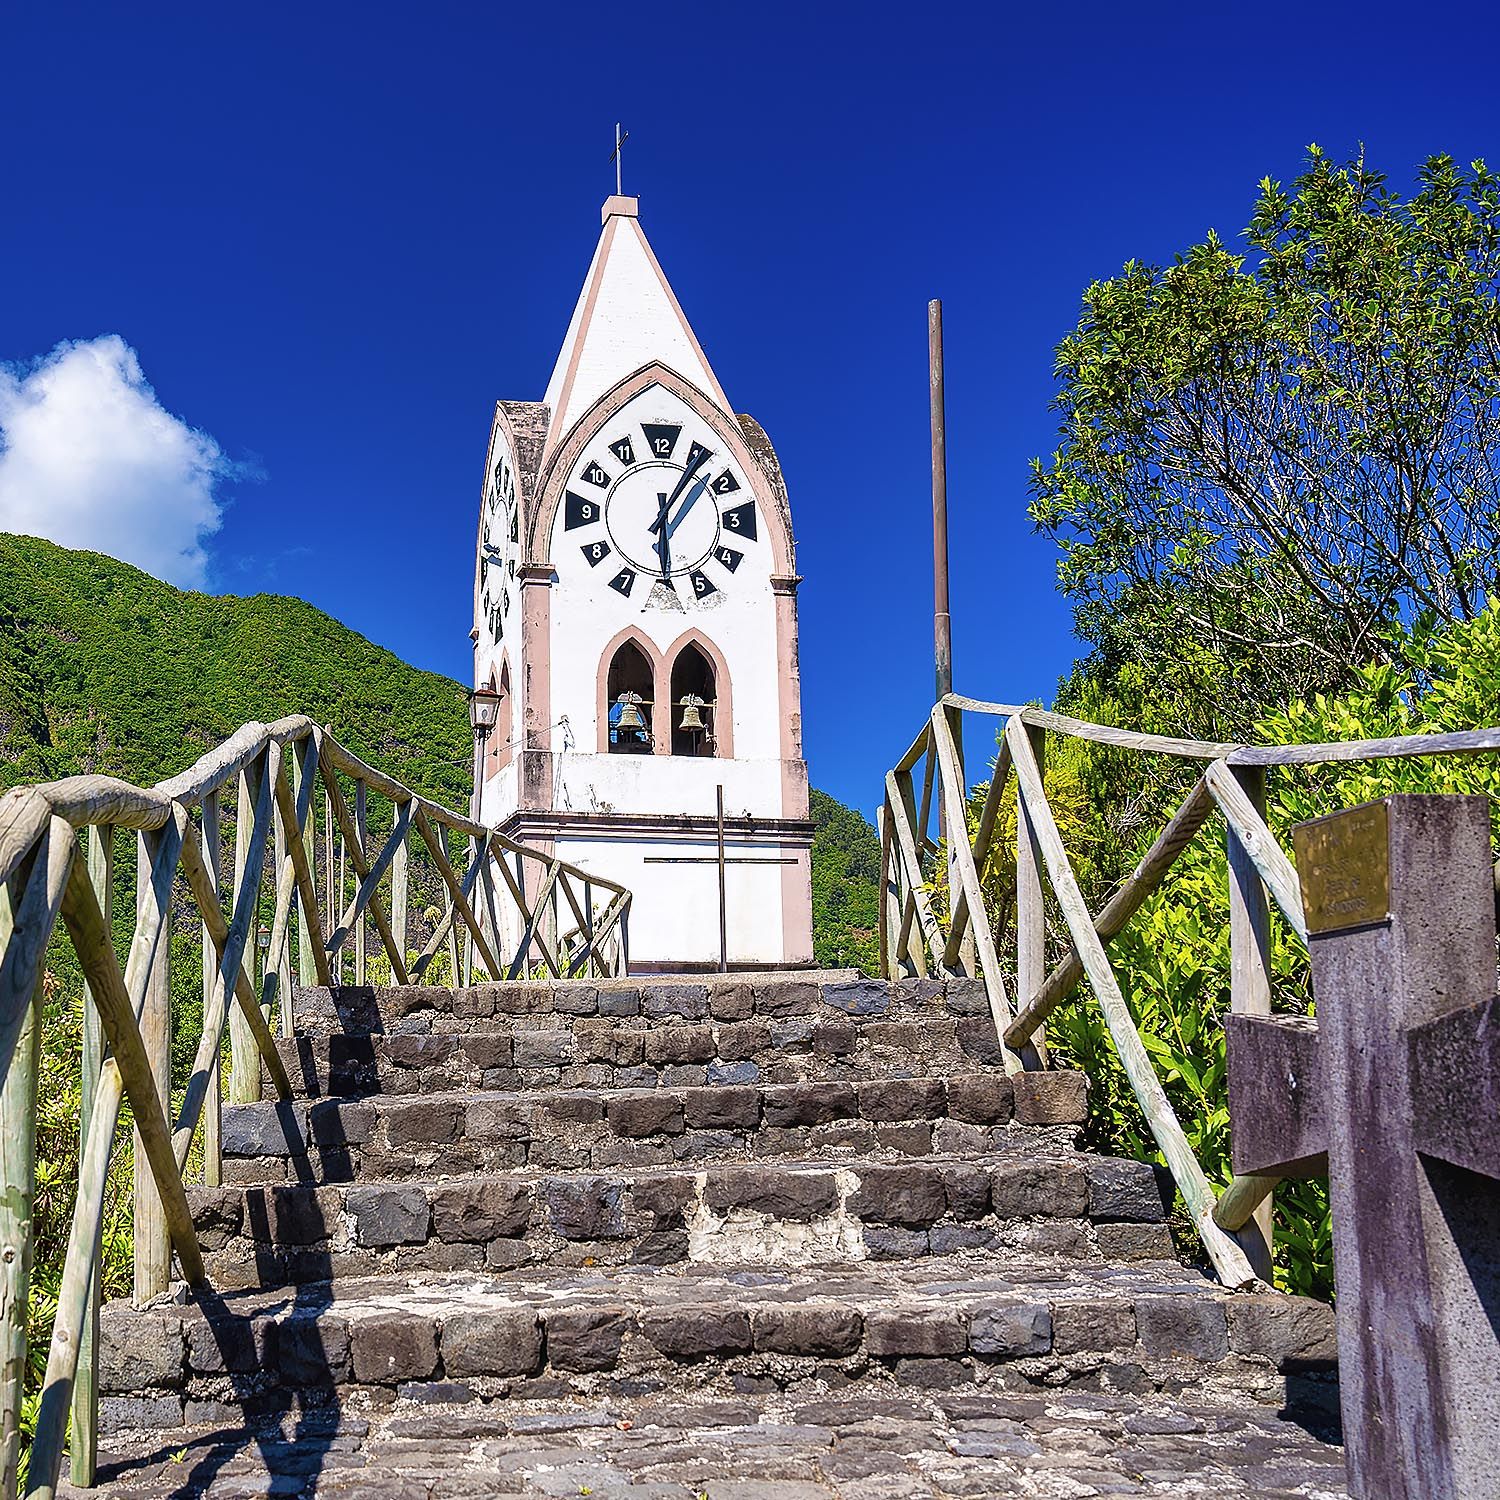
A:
815, 995
389, 1136
787, 1213
604, 1052
1046, 1326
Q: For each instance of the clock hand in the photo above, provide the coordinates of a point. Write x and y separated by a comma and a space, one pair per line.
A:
700, 457
663, 544
692, 495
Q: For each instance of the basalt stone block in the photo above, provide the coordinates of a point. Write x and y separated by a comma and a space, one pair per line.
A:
139, 1350
892, 1242
828, 1331
1011, 1330
664, 1198
235, 1346
421, 1051
691, 1332
859, 997
899, 1195
389, 1347
575, 1000
835, 1038
809, 1103
980, 1098
662, 1247
615, 1045
424, 1122
623, 1000
217, 1215
1121, 1189
577, 1109
1057, 1097
486, 1050
300, 1215
1135, 1242
977, 1039
1093, 1326
786, 997
1290, 1331
731, 1000
542, 1049
497, 1119
1038, 1190
313, 1352
641, 1115
584, 1208
491, 1341
680, 1044
953, 1239
388, 1215
902, 1099
744, 1039
519, 997
583, 1339
340, 1122
139, 1413
732, 1073
506, 1255
722, 1108
474, 1003
270, 1129
925, 1332
480, 1210
1182, 1327
778, 1194
690, 1001
966, 997
966, 1189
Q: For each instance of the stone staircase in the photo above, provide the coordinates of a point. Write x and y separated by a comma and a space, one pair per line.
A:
766, 1236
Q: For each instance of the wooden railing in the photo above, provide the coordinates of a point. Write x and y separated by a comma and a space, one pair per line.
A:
276, 774
920, 934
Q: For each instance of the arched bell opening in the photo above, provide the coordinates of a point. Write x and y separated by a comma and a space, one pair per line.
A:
694, 704
630, 693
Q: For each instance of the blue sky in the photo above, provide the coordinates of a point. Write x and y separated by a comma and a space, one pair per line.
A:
333, 235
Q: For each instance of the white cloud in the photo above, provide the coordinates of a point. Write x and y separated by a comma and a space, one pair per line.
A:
89, 458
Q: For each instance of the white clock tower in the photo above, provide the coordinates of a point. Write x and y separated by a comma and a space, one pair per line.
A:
635, 604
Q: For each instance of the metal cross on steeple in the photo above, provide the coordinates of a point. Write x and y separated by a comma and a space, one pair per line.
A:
616, 155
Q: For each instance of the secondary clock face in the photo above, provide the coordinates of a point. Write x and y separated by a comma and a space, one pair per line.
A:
498, 545
660, 501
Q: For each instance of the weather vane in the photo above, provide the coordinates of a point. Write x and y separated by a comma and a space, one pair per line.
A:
616, 156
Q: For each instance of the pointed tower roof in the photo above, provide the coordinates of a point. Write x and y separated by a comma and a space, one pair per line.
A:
627, 316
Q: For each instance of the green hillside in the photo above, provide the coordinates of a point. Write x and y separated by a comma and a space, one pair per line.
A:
105, 669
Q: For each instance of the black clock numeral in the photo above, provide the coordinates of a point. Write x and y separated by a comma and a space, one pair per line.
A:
596, 552
499, 473
725, 484
515, 527
697, 456
702, 584
623, 449
596, 476
741, 520
580, 511
729, 557
661, 438
623, 581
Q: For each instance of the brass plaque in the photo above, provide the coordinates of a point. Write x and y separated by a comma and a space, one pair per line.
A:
1344, 864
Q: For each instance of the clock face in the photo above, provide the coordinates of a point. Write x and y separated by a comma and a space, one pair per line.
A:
498, 547
660, 502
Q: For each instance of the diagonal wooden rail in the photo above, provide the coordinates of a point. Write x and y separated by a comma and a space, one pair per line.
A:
51, 891
922, 933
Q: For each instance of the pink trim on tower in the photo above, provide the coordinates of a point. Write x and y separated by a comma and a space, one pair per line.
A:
601, 258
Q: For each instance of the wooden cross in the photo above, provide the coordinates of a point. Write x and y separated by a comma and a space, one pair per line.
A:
1394, 1094
617, 155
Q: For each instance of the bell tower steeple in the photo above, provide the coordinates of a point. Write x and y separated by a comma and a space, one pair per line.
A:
636, 584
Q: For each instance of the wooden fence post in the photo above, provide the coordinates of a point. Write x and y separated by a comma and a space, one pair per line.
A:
1031, 911
83, 1431
362, 830
213, 856
306, 764
244, 1055
153, 1249
400, 886
1250, 975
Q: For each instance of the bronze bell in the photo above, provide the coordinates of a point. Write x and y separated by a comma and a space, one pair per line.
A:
630, 711
691, 717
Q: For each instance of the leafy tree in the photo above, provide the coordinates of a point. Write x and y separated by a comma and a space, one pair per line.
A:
1268, 463
846, 887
